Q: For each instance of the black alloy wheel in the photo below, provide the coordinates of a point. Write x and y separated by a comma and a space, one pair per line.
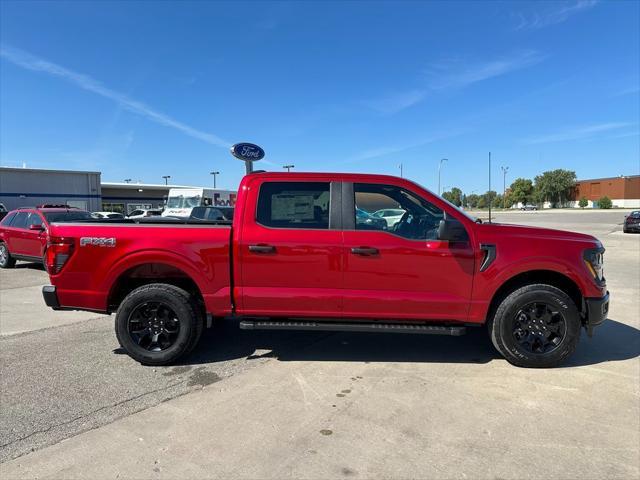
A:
153, 326
539, 327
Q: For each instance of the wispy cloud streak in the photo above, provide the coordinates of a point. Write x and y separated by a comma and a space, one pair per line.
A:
392, 149
31, 62
553, 15
578, 133
458, 74
453, 74
396, 102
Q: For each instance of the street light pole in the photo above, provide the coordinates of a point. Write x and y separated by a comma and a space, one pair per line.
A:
504, 186
166, 179
440, 168
400, 170
288, 167
214, 177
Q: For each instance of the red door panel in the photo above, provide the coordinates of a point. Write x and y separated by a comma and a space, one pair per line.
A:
290, 261
407, 279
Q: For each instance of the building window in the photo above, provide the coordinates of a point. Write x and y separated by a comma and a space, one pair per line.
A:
113, 207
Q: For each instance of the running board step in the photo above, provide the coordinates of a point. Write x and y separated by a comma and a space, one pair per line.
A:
353, 327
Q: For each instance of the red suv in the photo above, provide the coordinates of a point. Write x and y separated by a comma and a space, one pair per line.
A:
23, 232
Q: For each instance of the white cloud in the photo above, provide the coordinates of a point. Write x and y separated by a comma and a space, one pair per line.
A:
36, 64
459, 74
391, 149
454, 74
395, 102
552, 15
577, 133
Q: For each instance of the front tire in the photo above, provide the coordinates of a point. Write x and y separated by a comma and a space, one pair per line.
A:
156, 324
536, 326
6, 260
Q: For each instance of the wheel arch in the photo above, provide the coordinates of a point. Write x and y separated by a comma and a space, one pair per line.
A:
547, 277
149, 272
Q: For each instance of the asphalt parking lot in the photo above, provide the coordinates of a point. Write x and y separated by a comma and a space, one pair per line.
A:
319, 405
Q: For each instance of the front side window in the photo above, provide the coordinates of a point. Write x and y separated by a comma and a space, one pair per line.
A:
34, 219
403, 213
294, 205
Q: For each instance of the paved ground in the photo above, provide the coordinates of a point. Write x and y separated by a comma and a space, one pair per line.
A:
326, 405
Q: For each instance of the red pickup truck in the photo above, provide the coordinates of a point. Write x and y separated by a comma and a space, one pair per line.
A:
297, 256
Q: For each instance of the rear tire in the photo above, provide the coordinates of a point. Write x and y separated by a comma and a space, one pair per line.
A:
6, 260
156, 324
536, 326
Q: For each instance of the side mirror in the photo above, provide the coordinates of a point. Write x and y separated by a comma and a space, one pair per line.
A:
452, 230
35, 226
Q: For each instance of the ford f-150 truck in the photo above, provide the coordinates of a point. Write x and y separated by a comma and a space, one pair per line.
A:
297, 257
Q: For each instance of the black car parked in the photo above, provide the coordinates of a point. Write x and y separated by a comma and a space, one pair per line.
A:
632, 222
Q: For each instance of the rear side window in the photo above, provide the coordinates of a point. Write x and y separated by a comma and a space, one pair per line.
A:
6, 221
294, 205
20, 221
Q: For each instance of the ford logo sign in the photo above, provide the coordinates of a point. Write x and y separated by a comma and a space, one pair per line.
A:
247, 152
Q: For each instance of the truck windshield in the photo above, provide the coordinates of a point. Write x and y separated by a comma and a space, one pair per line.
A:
181, 201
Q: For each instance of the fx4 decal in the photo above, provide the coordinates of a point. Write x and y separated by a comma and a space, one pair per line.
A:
99, 241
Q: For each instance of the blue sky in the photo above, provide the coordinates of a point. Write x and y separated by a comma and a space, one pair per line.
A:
141, 90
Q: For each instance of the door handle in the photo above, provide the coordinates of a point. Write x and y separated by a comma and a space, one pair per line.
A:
365, 251
262, 248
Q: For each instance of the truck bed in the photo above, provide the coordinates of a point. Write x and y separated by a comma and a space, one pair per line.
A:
194, 250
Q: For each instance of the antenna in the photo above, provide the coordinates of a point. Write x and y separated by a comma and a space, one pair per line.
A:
489, 192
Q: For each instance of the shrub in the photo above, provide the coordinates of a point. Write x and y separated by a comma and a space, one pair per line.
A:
583, 202
605, 202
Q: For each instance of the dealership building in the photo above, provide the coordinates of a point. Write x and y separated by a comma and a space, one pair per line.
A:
23, 187
28, 187
624, 191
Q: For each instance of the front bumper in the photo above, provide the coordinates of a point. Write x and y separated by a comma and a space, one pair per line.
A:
51, 297
595, 312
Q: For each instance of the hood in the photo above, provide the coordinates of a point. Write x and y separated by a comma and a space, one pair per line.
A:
538, 233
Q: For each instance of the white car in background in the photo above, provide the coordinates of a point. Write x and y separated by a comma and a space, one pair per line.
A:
390, 215
140, 213
106, 215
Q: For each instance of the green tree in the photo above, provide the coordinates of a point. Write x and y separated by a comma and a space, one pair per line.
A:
454, 196
497, 201
521, 190
605, 202
472, 200
555, 185
489, 198
583, 202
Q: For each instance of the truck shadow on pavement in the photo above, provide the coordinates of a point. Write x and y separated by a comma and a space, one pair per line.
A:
613, 341
30, 266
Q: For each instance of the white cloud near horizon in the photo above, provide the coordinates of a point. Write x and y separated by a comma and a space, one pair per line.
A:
553, 15
576, 133
454, 74
31, 62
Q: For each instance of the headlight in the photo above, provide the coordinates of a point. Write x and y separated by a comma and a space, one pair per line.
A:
594, 260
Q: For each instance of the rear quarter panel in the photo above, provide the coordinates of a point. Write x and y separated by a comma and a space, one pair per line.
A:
200, 251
